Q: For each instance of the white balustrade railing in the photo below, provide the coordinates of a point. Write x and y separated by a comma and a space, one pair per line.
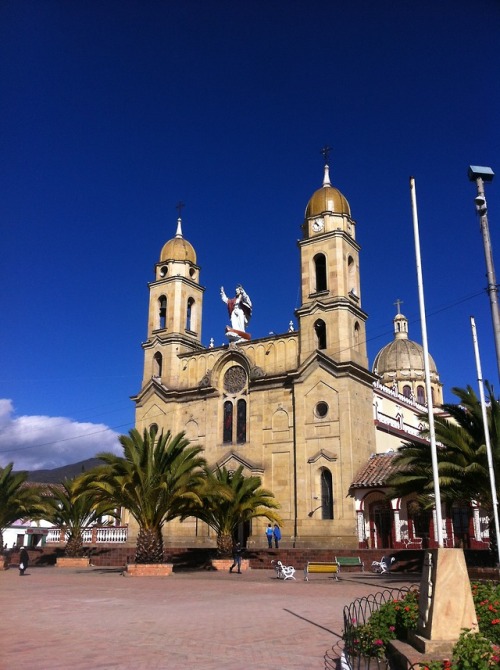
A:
112, 534
101, 535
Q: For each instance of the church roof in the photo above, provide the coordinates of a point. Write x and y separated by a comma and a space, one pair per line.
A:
327, 199
376, 471
178, 248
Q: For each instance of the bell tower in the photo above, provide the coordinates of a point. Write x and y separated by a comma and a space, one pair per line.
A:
330, 315
175, 311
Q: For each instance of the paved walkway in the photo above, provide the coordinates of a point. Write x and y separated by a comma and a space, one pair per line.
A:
56, 618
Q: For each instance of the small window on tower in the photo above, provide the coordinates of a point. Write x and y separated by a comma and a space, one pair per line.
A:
190, 304
162, 312
320, 330
320, 272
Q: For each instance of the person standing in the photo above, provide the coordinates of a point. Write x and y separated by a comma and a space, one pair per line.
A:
277, 535
269, 535
24, 560
237, 549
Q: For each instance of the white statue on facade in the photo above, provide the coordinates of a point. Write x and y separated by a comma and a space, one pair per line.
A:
240, 311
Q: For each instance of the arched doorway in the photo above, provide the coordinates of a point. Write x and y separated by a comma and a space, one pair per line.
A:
381, 525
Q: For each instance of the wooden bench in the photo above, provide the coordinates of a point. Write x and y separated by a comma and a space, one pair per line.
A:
319, 567
349, 562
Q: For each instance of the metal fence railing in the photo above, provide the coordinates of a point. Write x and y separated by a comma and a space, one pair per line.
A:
343, 655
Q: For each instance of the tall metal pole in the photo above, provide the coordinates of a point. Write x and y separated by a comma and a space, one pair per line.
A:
491, 469
430, 407
480, 175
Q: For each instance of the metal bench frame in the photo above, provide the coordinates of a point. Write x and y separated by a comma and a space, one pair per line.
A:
284, 571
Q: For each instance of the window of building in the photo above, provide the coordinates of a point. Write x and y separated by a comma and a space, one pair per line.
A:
235, 406
321, 409
162, 312
320, 272
326, 494
320, 330
421, 395
407, 391
157, 364
189, 315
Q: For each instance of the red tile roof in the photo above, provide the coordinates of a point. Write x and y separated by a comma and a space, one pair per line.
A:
376, 471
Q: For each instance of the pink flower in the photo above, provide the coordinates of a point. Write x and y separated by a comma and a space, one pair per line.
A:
378, 642
392, 628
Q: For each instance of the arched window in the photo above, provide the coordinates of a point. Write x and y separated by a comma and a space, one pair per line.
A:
421, 395
241, 422
227, 432
326, 494
356, 335
320, 330
157, 364
162, 312
235, 406
189, 314
351, 276
320, 272
407, 391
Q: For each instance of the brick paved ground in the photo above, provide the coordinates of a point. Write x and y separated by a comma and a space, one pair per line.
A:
72, 619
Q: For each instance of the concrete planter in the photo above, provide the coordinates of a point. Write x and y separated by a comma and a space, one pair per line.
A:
148, 569
65, 562
223, 564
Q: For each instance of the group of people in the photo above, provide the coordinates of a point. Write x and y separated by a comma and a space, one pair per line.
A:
272, 534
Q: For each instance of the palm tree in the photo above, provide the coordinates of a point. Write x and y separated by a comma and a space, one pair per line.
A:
74, 509
462, 458
156, 480
228, 499
18, 500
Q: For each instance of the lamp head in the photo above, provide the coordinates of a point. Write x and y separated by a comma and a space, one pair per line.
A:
480, 201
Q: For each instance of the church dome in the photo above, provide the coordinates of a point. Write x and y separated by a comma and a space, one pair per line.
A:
327, 199
402, 355
400, 363
178, 249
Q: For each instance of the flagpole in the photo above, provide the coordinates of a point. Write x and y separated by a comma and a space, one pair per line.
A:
430, 408
494, 499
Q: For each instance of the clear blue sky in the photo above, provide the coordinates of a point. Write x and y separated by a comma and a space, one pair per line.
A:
111, 112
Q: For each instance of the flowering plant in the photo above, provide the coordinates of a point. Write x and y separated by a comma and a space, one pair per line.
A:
392, 620
487, 603
473, 651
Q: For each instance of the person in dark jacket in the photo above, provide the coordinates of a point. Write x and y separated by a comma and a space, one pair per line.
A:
237, 550
277, 535
24, 560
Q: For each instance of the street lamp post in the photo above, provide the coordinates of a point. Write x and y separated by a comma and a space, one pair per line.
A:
481, 175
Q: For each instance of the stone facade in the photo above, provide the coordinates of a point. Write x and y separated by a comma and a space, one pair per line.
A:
295, 408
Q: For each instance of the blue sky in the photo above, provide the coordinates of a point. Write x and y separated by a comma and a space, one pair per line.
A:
112, 112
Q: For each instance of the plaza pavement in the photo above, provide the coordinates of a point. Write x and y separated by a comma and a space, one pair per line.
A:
68, 619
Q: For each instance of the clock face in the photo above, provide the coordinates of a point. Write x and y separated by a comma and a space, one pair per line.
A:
318, 225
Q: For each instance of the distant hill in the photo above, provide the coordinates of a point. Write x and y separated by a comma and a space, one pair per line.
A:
57, 475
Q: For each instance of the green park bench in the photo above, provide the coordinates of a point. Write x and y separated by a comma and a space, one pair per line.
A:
349, 562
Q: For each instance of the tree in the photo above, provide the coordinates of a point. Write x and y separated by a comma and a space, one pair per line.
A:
461, 454
228, 499
18, 500
75, 509
157, 479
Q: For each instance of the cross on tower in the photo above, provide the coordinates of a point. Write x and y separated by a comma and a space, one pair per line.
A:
179, 207
398, 303
326, 151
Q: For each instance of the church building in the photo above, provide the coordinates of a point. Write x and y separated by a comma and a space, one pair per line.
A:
303, 410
